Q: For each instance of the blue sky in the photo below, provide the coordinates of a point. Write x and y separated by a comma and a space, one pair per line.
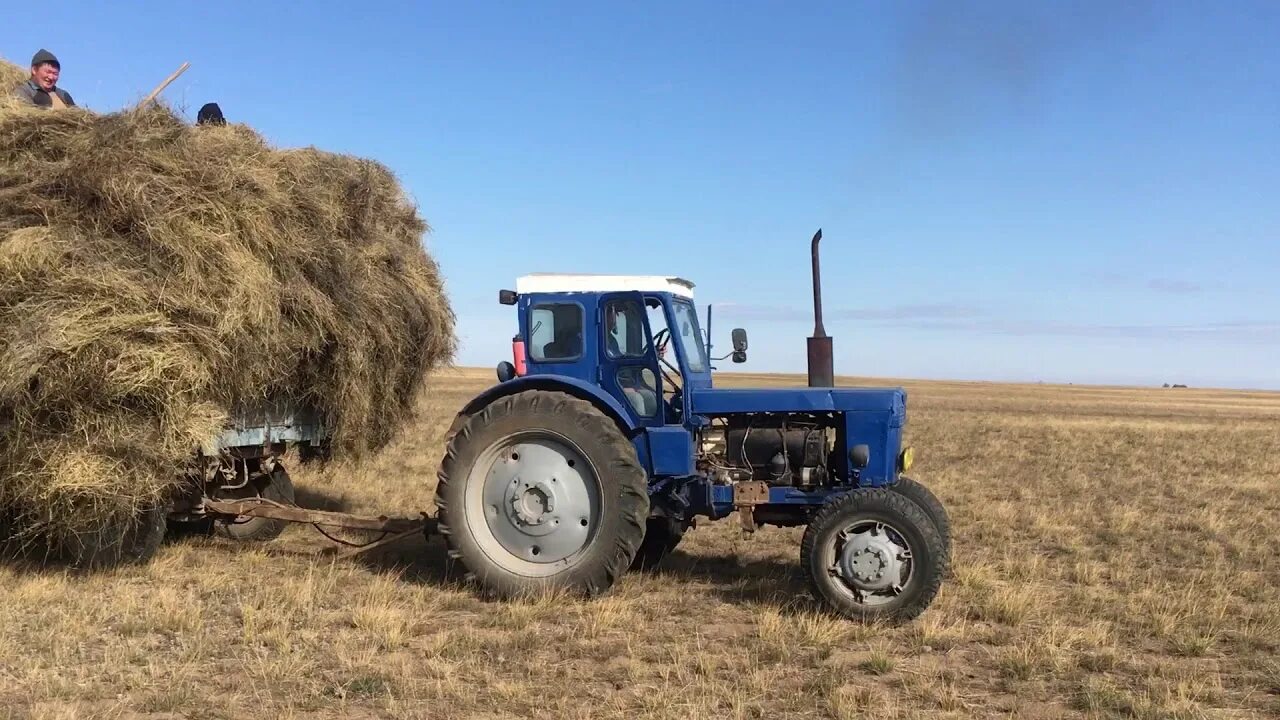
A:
1007, 191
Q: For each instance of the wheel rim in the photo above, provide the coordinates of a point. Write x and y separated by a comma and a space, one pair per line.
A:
533, 502
872, 561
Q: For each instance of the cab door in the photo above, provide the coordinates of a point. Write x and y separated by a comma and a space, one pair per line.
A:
628, 367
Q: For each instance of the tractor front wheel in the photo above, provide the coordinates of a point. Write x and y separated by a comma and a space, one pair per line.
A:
540, 490
874, 554
931, 505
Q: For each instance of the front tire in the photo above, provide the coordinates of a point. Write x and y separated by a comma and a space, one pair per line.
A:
932, 506
540, 490
873, 554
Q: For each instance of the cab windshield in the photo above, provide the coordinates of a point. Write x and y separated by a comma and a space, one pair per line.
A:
690, 337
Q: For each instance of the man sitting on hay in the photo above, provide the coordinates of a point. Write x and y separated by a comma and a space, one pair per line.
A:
42, 88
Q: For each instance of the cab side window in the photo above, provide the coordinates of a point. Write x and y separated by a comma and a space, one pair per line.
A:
624, 333
555, 332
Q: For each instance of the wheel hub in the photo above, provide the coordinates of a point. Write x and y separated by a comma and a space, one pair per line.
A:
872, 559
532, 503
867, 565
540, 500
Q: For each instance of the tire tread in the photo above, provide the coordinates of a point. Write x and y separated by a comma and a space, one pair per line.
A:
922, 496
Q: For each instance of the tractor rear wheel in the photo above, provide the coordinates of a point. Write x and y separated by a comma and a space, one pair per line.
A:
873, 554
931, 505
540, 490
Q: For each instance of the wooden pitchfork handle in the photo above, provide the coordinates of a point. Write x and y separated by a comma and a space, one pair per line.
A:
160, 88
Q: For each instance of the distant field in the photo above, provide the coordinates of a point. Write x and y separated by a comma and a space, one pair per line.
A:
1117, 555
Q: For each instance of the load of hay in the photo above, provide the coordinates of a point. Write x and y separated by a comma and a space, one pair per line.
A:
155, 276
11, 76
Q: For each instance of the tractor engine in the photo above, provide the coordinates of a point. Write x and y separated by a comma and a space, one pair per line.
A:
779, 450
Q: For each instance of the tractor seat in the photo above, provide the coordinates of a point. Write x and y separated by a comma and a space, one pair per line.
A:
563, 348
643, 401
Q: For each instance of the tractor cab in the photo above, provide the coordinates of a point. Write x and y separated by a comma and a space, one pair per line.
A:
637, 338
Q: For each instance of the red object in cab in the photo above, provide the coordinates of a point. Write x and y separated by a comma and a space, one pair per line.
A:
518, 355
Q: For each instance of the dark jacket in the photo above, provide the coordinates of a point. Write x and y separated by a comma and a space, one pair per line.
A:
39, 97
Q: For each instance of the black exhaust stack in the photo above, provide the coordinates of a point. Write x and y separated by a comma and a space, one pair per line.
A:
821, 372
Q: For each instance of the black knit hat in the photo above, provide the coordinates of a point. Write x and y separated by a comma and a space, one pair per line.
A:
44, 56
210, 114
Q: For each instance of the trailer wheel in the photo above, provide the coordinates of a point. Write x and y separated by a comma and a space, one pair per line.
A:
873, 554
278, 488
928, 502
131, 542
540, 490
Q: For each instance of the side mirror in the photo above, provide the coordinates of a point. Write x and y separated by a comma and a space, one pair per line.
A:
739, 353
507, 297
739, 345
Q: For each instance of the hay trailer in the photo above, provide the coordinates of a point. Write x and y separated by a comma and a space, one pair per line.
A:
605, 438
237, 485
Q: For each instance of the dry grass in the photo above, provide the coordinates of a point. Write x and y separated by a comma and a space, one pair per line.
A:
11, 76
155, 276
1117, 555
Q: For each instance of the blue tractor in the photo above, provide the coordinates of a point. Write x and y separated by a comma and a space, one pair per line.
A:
605, 438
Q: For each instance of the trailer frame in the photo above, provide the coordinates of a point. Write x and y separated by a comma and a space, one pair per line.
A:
393, 528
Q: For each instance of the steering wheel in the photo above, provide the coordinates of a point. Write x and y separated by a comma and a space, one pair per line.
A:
660, 341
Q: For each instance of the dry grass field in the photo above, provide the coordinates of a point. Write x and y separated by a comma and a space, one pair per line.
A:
1117, 555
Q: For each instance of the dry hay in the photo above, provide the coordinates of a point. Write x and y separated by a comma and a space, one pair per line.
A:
155, 275
11, 76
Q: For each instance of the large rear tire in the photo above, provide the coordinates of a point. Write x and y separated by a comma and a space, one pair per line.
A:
873, 554
540, 490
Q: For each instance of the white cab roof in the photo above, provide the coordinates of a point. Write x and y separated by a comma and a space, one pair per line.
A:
570, 282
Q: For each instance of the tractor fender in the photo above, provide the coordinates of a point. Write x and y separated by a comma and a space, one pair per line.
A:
559, 383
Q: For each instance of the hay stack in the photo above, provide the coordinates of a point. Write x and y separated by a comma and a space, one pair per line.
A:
11, 76
156, 275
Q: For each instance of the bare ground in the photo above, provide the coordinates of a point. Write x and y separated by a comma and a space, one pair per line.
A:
1117, 555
